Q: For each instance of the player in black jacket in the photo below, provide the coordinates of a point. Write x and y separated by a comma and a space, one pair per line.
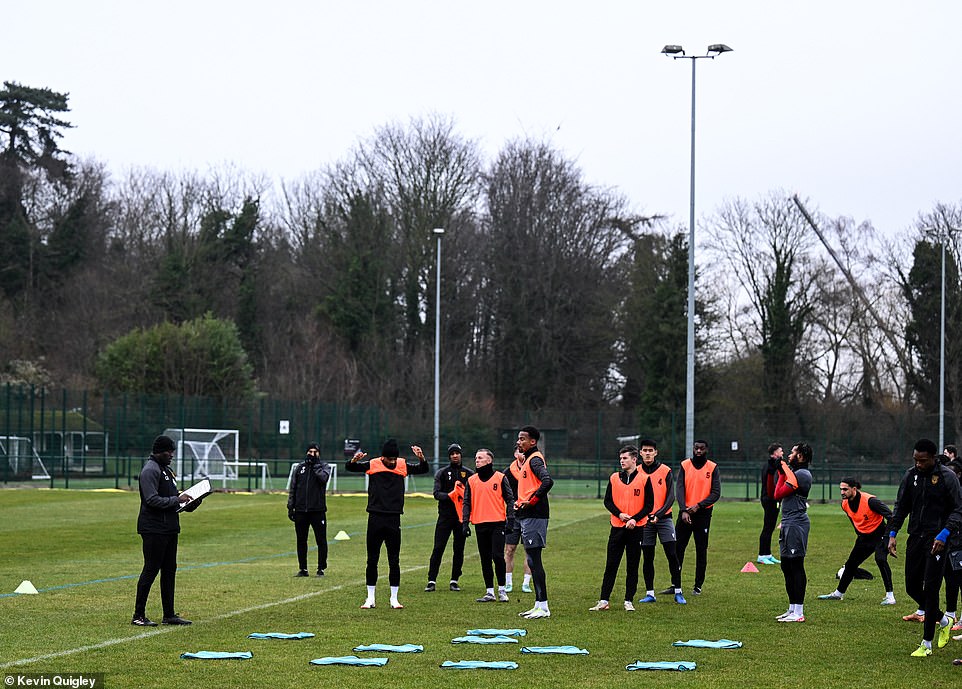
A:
158, 525
385, 505
449, 483
307, 507
930, 497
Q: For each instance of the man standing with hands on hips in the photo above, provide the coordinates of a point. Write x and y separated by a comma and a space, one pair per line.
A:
532, 514
158, 525
307, 507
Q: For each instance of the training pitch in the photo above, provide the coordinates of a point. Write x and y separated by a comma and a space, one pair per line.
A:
81, 551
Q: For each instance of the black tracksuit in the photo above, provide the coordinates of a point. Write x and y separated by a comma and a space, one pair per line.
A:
385, 505
931, 501
158, 525
307, 503
448, 521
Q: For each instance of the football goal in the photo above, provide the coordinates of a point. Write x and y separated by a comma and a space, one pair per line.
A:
21, 458
210, 453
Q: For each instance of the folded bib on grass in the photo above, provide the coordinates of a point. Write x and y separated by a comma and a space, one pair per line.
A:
500, 639
497, 632
564, 650
350, 660
479, 665
280, 635
681, 665
217, 655
701, 643
391, 648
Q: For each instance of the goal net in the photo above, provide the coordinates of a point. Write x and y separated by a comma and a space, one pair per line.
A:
21, 458
209, 453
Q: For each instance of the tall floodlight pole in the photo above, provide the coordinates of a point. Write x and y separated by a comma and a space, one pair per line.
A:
677, 52
942, 234
438, 232
942, 357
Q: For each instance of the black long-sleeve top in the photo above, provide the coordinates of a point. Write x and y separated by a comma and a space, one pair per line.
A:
385, 489
931, 501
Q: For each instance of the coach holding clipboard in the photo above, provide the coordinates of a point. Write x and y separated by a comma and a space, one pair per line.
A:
158, 525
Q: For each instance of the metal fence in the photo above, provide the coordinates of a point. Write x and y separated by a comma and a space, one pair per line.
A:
91, 439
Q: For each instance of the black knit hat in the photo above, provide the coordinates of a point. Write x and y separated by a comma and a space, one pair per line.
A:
313, 446
162, 444
390, 448
454, 447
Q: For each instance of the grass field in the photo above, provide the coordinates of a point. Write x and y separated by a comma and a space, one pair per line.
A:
81, 551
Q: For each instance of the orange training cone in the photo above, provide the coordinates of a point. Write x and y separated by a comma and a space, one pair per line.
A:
750, 568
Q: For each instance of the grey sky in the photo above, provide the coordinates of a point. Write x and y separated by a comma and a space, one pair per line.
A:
850, 103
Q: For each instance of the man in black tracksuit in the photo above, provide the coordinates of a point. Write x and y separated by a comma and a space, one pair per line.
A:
158, 525
449, 485
930, 497
307, 508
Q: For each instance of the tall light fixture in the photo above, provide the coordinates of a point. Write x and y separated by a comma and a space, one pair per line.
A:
943, 236
677, 52
438, 232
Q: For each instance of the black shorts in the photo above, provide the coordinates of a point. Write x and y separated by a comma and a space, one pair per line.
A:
513, 536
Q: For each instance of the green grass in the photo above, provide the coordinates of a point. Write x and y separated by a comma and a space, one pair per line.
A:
81, 550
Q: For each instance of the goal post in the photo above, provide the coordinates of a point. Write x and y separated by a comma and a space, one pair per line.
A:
211, 453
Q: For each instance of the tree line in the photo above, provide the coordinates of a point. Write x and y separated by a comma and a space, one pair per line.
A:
555, 292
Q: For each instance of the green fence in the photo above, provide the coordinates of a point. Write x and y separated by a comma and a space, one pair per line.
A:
82, 439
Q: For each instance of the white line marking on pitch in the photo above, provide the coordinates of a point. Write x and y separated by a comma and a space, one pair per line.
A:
222, 616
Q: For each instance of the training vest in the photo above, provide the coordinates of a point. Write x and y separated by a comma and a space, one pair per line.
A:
659, 487
377, 466
628, 497
864, 519
457, 497
487, 500
697, 482
528, 483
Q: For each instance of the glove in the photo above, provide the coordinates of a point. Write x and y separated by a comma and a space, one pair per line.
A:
466, 529
290, 514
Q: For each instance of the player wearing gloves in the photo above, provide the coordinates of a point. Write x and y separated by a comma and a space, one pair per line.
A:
307, 508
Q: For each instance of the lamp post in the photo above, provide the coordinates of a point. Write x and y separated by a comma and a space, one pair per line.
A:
438, 232
942, 234
677, 52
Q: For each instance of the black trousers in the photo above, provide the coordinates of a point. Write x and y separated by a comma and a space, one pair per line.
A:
490, 537
699, 526
160, 555
444, 529
383, 529
303, 521
622, 542
796, 581
923, 579
769, 522
648, 565
865, 544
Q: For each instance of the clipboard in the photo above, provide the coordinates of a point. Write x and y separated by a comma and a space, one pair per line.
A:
199, 490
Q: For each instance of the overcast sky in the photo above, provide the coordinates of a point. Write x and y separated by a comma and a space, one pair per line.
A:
853, 104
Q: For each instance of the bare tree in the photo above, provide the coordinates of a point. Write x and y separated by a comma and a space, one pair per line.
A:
766, 247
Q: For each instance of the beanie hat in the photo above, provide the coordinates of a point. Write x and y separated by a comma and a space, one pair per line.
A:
390, 448
454, 447
163, 444
313, 446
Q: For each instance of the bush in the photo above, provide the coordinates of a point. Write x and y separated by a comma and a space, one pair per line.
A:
202, 357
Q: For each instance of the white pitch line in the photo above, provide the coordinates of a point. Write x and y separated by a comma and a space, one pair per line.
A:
222, 616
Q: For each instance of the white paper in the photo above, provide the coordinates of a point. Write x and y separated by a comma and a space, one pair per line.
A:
196, 491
